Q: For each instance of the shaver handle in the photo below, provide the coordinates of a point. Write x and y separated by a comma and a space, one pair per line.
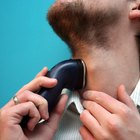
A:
52, 97
51, 103
69, 74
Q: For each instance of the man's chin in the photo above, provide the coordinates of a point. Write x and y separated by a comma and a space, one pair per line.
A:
65, 0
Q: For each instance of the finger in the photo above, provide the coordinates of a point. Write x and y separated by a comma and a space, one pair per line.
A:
86, 135
90, 123
109, 103
43, 72
37, 83
50, 126
40, 102
97, 111
56, 115
61, 104
125, 98
17, 112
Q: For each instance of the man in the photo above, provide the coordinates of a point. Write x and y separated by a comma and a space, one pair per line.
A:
105, 34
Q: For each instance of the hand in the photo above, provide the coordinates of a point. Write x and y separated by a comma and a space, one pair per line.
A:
106, 118
36, 107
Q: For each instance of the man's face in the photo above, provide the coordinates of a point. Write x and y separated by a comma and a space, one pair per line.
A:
87, 20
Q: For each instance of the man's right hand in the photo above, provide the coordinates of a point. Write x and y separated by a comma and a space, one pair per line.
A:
36, 107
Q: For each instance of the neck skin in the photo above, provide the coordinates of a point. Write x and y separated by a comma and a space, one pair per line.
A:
118, 64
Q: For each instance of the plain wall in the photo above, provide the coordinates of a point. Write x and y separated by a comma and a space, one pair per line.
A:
27, 44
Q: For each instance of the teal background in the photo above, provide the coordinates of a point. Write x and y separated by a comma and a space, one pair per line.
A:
27, 44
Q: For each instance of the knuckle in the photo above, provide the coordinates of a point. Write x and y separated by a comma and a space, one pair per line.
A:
3, 112
40, 79
99, 97
41, 100
34, 112
125, 112
24, 93
114, 125
91, 105
37, 116
31, 104
105, 136
45, 102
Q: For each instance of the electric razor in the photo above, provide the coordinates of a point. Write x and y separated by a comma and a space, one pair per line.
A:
70, 74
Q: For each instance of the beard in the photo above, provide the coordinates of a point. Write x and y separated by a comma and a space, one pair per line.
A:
76, 22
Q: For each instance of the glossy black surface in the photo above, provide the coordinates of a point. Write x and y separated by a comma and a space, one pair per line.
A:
70, 74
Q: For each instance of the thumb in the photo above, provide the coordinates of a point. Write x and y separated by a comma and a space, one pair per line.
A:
56, 115
123, 96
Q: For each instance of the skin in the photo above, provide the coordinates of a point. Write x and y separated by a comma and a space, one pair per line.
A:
112, 67
109, 111
108, 118
117, 56
36, 107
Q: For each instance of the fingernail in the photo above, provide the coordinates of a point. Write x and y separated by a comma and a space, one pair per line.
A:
47, 115
85, 94
122, 87
45, 68
54, 80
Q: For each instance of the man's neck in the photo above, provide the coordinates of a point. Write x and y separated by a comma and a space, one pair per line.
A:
109, 68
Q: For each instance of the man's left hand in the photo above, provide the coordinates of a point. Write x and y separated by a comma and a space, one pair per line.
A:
108, 118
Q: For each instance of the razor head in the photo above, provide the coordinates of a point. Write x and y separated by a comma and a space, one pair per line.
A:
70, 74
84, 73
79, 74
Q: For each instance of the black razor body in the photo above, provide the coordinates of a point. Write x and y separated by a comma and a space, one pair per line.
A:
70, 74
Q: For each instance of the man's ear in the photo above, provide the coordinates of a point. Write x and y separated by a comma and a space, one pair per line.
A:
135, 12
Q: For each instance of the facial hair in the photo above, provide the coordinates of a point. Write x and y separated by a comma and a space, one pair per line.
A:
74, 22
